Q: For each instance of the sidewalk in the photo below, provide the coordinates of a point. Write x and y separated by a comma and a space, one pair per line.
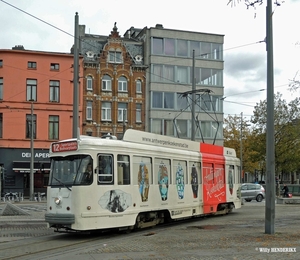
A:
25, 210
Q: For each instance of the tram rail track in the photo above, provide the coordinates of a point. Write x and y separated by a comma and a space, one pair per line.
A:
36, 246
242, 229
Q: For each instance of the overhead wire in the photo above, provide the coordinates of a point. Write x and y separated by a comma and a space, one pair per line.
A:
163, 78
82, 40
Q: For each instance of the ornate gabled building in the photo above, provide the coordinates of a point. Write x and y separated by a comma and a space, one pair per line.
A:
114, 84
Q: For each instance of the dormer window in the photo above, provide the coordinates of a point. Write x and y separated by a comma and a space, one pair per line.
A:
115, 57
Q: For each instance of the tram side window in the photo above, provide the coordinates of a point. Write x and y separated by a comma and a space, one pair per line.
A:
105, 165
123, 169
231, 175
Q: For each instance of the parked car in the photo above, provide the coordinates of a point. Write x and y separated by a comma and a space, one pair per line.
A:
252, 191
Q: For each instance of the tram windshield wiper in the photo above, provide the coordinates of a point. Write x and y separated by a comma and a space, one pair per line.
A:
62, 183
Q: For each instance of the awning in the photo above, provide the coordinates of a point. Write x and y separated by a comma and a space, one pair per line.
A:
25, 166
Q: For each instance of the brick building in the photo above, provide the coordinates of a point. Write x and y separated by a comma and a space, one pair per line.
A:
35, 87
114, 85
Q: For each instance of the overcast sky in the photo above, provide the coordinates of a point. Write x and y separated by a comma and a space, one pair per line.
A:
244, 29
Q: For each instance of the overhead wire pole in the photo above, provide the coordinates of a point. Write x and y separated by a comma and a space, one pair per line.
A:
270, 174
193, 98
75, 78
241, 147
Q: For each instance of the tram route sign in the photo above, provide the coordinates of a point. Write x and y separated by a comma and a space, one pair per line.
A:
64, 146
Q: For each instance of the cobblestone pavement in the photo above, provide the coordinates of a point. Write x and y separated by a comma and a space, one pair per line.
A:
240, 235
33, 210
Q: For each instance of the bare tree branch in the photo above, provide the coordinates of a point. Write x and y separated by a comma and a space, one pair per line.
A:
294, 84
253, 3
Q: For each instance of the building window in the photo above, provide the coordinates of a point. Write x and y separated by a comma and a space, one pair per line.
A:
54, 66
156, 126
31, 65
182, 74
168, 73
122, 112
115, 56
205, 50
89, 110
182, 103
31, 90
138, 113
169, 47
216, 51
164, 100
182, 128
182, 48
122, 84
1, 63
30, 126
163, 73
89, 83
162, 126
157, 74
205, 103
157, 99
54, 91
158, 47
53, 127
1, 125
138, 86
106, 111
1, 88
168, 127
217, 104
106, 83
195, 46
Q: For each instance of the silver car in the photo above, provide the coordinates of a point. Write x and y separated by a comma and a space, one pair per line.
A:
252, 191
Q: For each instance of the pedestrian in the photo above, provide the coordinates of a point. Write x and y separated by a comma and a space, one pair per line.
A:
286, 191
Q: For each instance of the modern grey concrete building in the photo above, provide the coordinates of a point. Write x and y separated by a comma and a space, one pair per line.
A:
168, 53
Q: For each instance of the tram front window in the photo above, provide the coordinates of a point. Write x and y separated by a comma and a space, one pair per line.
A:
71, 170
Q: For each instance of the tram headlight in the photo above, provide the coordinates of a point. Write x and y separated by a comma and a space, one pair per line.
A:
57, 200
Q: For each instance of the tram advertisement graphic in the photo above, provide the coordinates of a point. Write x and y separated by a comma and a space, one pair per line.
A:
163, 181
143, 180
180, 181
194, 182
115, 201
213, 184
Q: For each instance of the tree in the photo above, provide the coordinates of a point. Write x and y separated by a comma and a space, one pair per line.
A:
233, 132
287, 135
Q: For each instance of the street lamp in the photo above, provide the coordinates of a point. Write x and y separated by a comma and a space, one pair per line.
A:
31, 156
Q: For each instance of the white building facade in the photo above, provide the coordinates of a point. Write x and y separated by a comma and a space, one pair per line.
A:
169, 79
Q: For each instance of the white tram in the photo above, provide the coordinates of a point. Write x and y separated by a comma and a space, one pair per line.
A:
140, 181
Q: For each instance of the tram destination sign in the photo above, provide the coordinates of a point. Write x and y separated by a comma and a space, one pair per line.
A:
64, 146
